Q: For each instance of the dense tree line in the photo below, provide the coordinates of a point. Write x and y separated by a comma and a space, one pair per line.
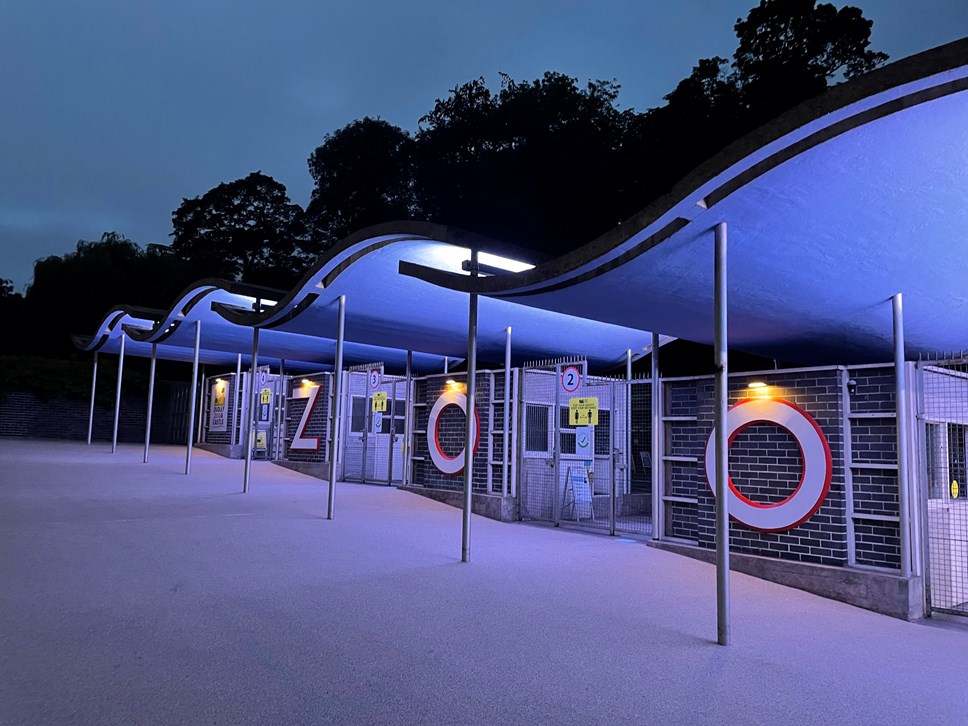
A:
548, 164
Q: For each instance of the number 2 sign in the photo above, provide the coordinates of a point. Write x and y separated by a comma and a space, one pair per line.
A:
570, 379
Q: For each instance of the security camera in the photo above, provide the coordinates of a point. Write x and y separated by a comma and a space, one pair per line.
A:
851, 387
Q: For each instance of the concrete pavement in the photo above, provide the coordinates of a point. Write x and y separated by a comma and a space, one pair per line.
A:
130, 593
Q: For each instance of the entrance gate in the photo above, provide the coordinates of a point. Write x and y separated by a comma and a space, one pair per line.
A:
372, 446
574, 470
944, 425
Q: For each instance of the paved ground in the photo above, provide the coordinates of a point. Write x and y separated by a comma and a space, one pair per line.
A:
132, 594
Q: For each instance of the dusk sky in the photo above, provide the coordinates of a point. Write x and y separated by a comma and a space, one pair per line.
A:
112, 112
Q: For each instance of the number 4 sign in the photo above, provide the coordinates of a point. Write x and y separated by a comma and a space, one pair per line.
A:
570, 379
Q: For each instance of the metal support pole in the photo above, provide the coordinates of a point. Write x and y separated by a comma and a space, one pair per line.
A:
201, 406
629, 457
334, 421
191, 406
469, 417
612, 509
236, 402
117, 397
90, 419
405, 469
280, 395
250, 412
446, 365
657, 473
903, 436
722, 443
151, 398
505, 445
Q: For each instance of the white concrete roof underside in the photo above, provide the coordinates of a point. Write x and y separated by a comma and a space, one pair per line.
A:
387, 309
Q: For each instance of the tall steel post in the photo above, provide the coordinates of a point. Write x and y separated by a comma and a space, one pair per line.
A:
117, 397
405, 468
151, 398
629, 457
250, 412
280, 395
722, 443
236, 400
334, 420
90, 418
657, 473
903, 436
446, 365
470, 419
201, 406
191, 406
505, 446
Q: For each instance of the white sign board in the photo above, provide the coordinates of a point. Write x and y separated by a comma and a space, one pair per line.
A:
216, 415
585, 442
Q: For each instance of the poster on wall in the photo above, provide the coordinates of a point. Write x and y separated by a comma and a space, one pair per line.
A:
217, 416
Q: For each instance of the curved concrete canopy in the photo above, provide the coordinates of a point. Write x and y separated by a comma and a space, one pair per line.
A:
132, 322
831, 209
384, 308
221, 341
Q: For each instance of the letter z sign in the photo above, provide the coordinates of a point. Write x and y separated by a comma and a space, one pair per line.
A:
300, 441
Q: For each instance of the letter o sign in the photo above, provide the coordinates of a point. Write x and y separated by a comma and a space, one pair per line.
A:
447, 464
814, 478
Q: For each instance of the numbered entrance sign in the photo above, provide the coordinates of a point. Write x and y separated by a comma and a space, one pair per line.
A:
583, 411
570, 379
379, 401
374, 378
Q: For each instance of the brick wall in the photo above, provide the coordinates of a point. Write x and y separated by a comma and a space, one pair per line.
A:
26, 415
765, 465
318, 424
452, 432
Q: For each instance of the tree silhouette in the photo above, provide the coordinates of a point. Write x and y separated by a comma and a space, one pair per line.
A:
246, 229
530, 164
71, 294
789, 49
363, 175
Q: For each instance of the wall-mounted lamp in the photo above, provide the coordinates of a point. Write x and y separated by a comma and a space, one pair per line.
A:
307, 382
220, 381
851, 387
450, 382
760, 389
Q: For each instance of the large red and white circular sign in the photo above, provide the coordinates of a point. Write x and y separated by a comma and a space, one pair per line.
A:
814, 479
447, 464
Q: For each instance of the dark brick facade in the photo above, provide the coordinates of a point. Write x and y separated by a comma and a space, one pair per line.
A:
451, 430
318, 424
765, 465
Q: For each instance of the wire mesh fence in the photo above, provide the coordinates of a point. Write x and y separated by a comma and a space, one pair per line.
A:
582, 461
944, 395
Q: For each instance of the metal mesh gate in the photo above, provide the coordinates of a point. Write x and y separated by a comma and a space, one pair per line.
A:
575, 469
374, 430
944, 407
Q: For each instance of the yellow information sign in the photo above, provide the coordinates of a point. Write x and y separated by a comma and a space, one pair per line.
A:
265, 396
583, 411
954, 488
260, 439
379, 401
